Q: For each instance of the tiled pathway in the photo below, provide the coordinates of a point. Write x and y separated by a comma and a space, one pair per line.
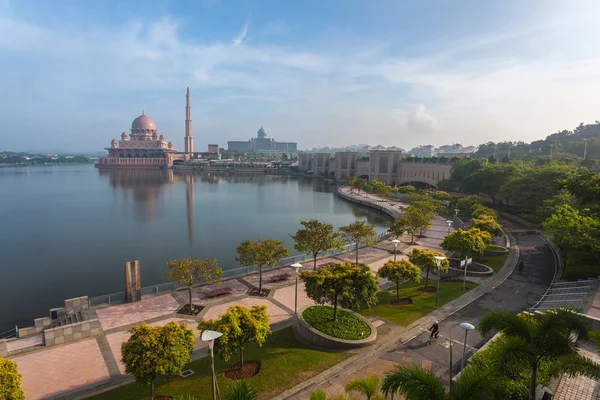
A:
51, 371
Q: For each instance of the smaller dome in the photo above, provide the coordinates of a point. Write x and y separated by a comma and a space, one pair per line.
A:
262, 133
124, 134
161, 138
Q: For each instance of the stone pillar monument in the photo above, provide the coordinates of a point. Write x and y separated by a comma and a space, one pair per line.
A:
133, 283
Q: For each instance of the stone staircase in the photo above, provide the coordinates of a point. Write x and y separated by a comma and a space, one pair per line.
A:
69, 319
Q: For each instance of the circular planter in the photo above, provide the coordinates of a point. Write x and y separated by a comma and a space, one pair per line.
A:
495, 252
475, 269
315, 338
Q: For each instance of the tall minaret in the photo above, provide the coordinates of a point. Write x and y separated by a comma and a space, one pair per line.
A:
188, 139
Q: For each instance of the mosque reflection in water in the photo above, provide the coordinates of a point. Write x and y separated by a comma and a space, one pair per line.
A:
149, 188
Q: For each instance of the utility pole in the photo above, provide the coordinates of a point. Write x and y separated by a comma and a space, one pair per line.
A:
585, 148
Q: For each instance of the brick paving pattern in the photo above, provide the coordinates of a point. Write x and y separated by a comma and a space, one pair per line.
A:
580, 387
276, 314
286, 296
126, 314
61, 368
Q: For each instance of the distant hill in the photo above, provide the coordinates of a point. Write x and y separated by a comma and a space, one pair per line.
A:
563, 144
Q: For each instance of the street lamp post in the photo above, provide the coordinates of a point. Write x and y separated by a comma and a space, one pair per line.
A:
449, 225
210, 337
297, 267
396, 243
467, 327
438, 261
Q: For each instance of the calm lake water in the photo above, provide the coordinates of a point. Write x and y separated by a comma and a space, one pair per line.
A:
66, 231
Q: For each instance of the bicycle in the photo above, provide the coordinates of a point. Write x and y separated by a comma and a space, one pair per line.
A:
432, 339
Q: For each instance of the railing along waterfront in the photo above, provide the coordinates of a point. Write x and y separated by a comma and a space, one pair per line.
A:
169, 287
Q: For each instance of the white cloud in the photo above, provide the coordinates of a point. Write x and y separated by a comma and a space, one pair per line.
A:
239, 39
86, 82
420, 121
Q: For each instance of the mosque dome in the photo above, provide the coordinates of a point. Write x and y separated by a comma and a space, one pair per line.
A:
142, 123
262, 133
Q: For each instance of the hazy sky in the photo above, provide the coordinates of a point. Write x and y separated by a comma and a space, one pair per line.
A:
74, 74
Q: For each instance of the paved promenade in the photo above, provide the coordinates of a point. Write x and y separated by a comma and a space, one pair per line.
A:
74, 369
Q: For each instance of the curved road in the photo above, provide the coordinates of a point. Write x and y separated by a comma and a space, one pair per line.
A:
520, 291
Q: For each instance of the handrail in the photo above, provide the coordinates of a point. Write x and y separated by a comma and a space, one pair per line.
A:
154, 290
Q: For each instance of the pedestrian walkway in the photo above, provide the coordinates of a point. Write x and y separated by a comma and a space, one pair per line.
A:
580, 387
68, 370
508, 289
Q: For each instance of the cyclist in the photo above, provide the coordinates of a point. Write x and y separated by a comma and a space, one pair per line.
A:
521, 265
435, 330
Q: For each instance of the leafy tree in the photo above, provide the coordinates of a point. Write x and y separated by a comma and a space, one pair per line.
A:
360, 233
10, 381
239, 325
584, 185
481, 210
487, 224
316, 237
261, 252
353, 182
369, 387
467, 204
529, 187
472, 240
153, 351
399, 226
489, 179
241, 390
541, 337
418, 218
425, 259
345, 284
416, 383
191, 272
400, 271
406, 189
573, 231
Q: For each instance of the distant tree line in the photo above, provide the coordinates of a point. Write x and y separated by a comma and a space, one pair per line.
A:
40, 159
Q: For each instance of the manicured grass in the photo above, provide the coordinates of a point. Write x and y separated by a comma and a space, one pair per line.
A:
493, 247
285, 363
423, 302
494, 262
347, 326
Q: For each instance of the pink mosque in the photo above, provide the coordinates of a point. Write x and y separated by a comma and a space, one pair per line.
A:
145, 148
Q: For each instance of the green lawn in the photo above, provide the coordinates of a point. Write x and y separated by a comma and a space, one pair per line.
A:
494, 262
348, 326
423, 302
285, 362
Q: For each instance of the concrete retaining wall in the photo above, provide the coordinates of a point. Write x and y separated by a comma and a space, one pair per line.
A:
379, 206
312, 337
3, 348
76, 304
71, 332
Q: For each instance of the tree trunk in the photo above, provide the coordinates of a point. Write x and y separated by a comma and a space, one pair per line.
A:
241, 357
398, 290
533, 381
357, 253
152, 389
426, 279
412, 238
335, 308
260, 280
315, 262
190, 293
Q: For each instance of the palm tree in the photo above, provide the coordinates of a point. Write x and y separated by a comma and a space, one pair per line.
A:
415, 383
241, 390
368, 386
540, 337
320, 395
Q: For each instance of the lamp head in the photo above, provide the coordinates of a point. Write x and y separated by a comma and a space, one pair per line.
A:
209, 336
296, 266
467, 326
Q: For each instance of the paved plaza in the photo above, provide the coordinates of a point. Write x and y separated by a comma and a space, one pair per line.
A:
72, 367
